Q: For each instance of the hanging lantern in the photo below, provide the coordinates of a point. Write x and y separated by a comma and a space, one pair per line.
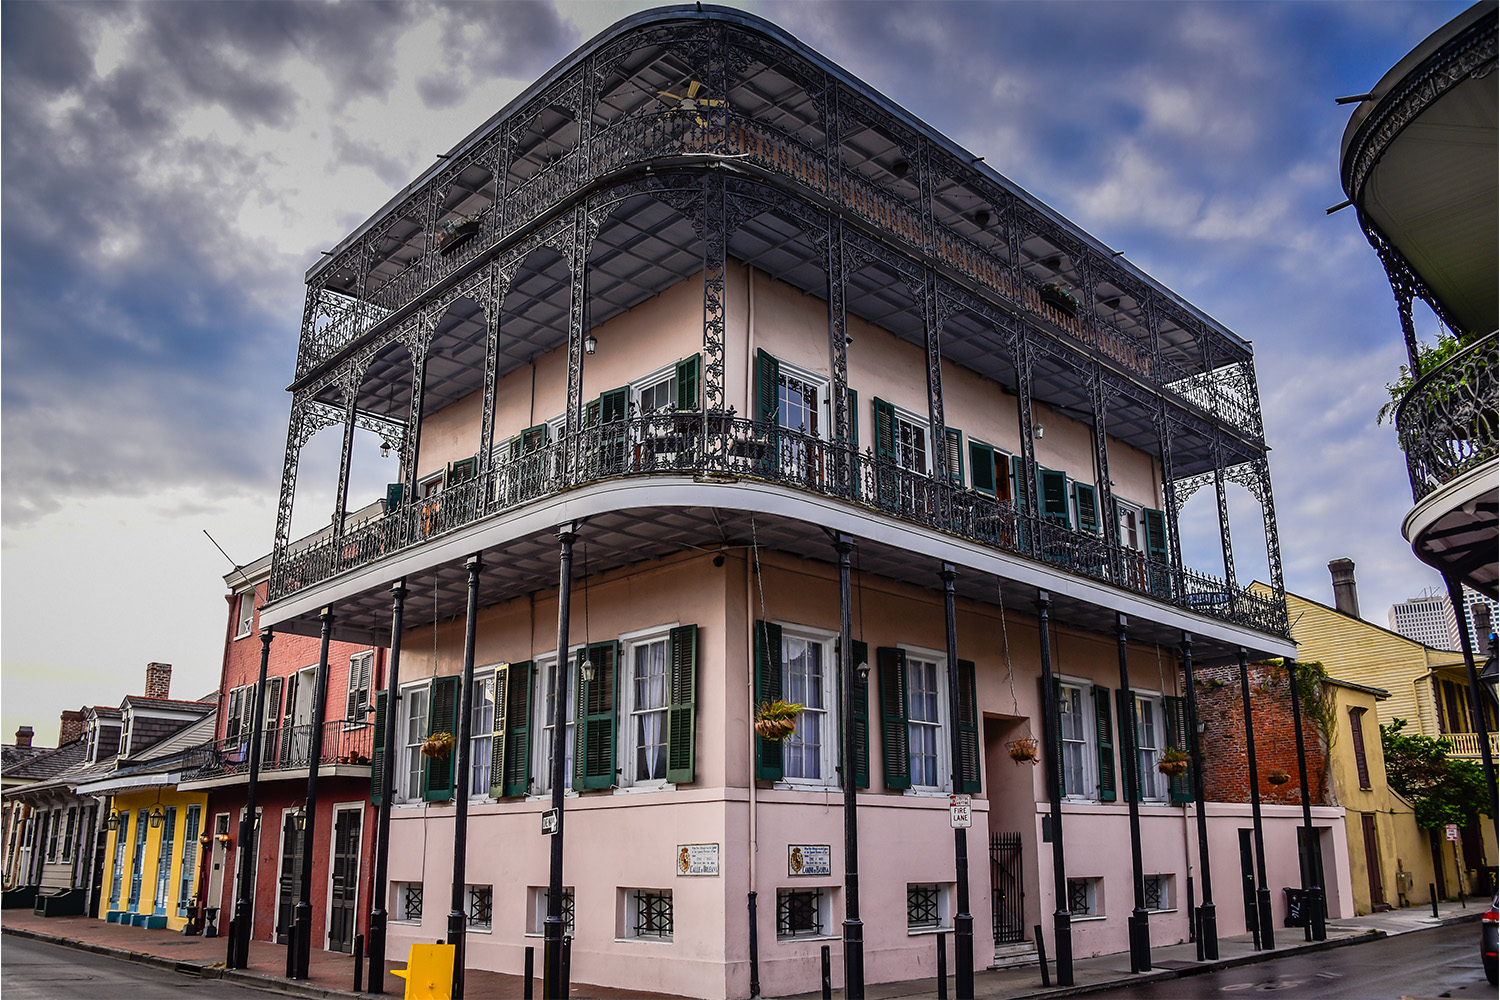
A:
113, 823
156, 817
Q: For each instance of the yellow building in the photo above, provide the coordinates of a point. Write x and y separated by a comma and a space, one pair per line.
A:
1386, 676
153, 853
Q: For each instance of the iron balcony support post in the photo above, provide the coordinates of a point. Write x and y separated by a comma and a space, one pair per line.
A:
457, 923
1476, 699
1208, 923
854, 932
378, 890
963, 920
1266, 936
1062, 917
553, 985
1312, 898
244, 904
302, 925
1140, 921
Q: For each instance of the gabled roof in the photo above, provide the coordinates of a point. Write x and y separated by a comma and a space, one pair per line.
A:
49, 763
167, 704
14, 755
193, 735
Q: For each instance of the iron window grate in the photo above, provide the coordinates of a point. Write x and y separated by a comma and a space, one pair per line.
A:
653, 913
799, 913
411, 902
1156, 892
567, 910
481, 905
923, 906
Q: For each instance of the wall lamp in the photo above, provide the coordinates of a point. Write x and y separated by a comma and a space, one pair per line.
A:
590, 344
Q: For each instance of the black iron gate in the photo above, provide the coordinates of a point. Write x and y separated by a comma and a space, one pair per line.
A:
1007, 901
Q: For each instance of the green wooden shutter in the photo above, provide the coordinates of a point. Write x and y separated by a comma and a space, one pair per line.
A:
591, 413
953, 454
393, 494
1104, 736
1056, 749
894, 746
514, 777
1088, 510
1175, 710
501, 689
513, 447
767, 382
853, 442
682, 702
378, 779
1130, 749
594, 728
860, 653
442, 717
885, 452
968, 730
1156, 533
767, 688
688, 370
1054, 494
982, 467
615, 404
1018, 473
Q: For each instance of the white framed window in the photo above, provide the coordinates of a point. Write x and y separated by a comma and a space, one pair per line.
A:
927, 907
481, 731
413, 730
67, 844
539, 897
546, 673
927, 712
1132, 531
801, 401
54, 836
1160, 892
1086, 897
479, 907
1075, 706
656, 392
1151, 736
245, 614
357, 702
648, 914
643, 710
430, 485
912, 446
804, 912
808, 675
406, 902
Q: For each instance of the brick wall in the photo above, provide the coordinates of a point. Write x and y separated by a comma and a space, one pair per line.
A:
1226, 768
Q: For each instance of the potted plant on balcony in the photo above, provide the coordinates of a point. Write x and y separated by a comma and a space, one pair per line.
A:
776, 720
438, 745
1059, 298
1431, 357
1172, 762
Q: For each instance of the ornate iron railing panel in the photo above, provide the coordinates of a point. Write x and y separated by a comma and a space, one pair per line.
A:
285, 748
1447, 422
721, 445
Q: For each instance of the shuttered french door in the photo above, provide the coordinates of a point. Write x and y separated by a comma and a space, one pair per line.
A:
341, 909
291, 868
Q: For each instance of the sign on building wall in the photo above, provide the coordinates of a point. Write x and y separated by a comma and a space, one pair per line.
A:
809, 859
697, 859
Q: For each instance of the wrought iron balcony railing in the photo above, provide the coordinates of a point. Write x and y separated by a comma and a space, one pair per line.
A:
1447, 422
288, 748
722, 445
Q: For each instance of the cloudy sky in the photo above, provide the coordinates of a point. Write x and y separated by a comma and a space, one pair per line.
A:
171, 169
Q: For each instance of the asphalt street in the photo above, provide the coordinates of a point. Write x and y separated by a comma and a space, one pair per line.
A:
1438, 963
36, 970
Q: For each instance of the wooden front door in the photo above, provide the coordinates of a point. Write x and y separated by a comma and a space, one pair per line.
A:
291, 871
345, 887
1372, 862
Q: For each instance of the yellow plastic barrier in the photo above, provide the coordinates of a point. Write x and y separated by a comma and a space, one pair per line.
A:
428, 972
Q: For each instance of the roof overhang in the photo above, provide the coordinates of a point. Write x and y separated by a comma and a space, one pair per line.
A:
1454, 529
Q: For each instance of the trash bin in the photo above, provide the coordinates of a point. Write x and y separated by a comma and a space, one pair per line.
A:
1296, 907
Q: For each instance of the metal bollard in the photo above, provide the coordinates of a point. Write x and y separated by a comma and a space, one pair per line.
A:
230, 938
1432, 891
567, 965
359, 963
942, 946
1041, 956
828, 975
526, 990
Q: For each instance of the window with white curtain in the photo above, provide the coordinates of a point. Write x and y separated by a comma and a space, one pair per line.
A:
481, 730
645, 711
807, 678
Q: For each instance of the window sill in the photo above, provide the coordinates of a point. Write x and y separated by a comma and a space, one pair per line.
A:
1171, 909
926, 793
660, 786
1088, 918
808, 937
927, 931
643, 939
472, 929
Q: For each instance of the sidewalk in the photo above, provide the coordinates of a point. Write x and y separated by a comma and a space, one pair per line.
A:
332, 975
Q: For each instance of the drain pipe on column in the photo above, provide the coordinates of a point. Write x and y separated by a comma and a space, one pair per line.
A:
754, 828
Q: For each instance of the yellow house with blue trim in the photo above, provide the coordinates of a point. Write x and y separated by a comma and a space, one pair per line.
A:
153, 855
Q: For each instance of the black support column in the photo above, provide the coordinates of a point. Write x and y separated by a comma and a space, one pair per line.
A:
457, 913
963, 921
244, 904
1311, 859
300, 951
378, 890
1139, 922
1266, 936
1476, 698
1062, 918
1208, 921
854, 932
554, 985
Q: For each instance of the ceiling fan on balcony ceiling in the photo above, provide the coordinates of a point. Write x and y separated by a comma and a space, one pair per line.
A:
692, 102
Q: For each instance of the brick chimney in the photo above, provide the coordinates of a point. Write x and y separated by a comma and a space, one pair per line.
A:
23, 736
1345, 597
72, 727
158, 680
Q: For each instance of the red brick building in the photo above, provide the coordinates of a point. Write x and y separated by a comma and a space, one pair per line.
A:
1226, 767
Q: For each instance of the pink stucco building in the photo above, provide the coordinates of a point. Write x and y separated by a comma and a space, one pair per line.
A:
706, 308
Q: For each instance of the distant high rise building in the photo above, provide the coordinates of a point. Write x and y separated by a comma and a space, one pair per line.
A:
1429, 619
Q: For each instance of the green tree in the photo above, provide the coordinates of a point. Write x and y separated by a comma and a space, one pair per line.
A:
1442, 789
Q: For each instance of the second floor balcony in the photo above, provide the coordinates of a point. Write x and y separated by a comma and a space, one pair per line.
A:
722, 448
286, 752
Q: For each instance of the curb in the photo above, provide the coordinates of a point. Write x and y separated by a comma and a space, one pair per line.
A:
254, 980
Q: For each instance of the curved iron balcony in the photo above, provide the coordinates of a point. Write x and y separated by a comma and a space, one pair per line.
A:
1447, 421
719, 445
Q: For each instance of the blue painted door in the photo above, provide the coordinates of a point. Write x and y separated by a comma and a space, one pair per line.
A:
142, 819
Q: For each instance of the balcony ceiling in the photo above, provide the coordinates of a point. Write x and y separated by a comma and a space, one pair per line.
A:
1454, 529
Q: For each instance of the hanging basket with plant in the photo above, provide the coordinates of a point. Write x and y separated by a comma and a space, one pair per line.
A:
1058, 297
776, 720
1278, 778
1023, 751
438, 745
1173, 762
